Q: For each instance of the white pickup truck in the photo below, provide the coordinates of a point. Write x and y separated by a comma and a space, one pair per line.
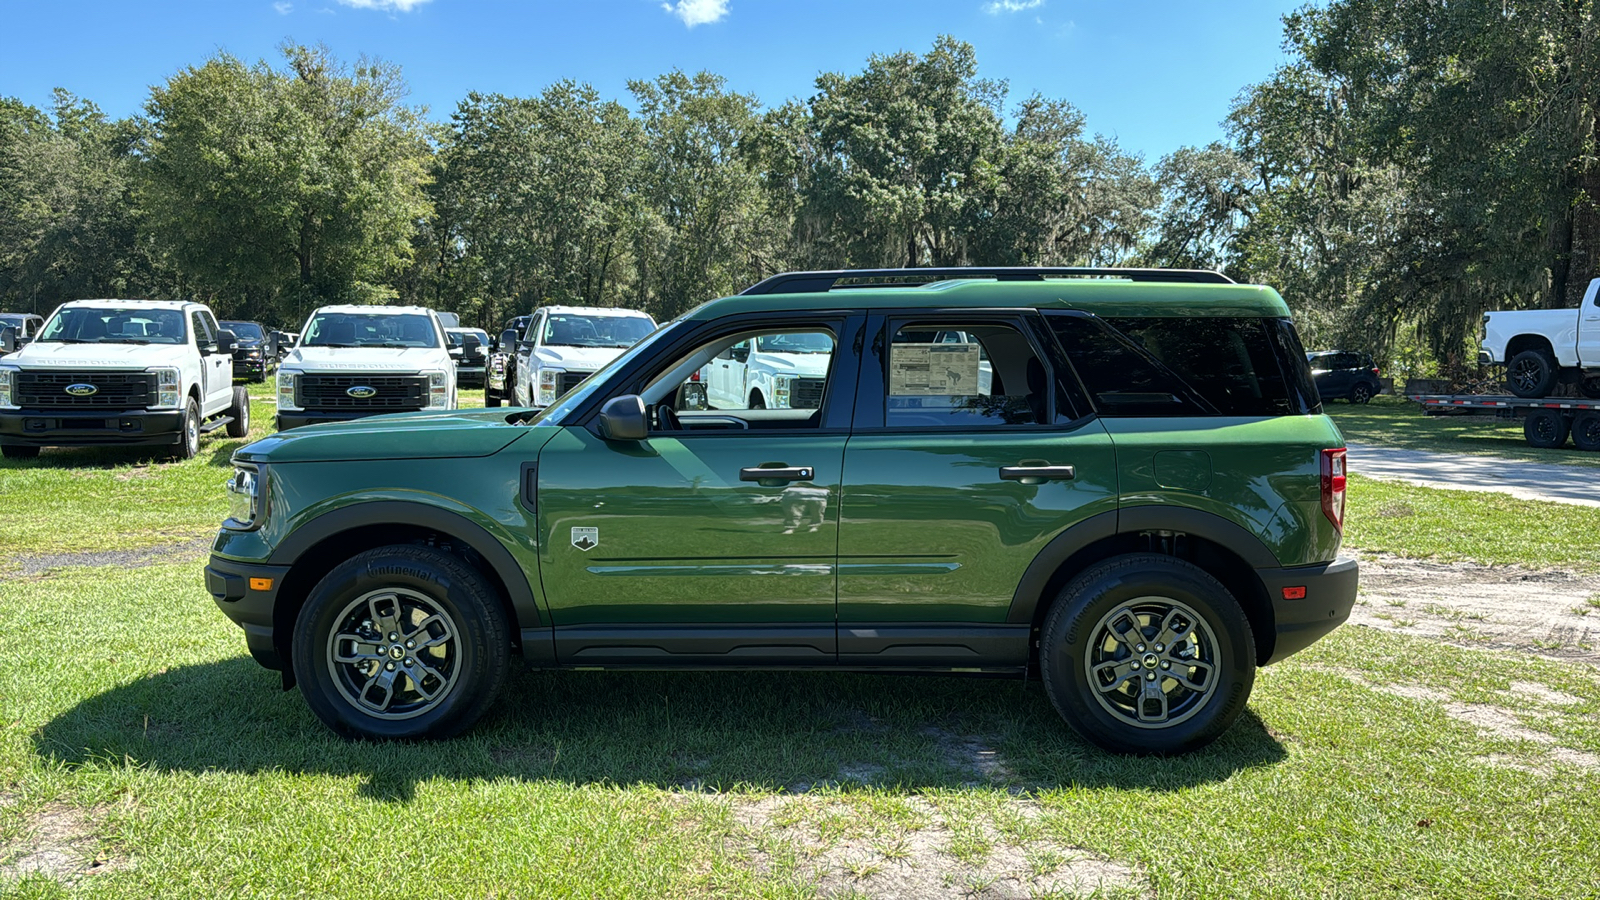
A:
563, 345
123, 372
355, 361
1541, 348
781, 371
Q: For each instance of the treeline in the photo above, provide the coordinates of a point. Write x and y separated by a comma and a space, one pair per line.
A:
1412, 165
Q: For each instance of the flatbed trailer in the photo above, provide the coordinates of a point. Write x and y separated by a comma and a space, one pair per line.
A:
1546, 422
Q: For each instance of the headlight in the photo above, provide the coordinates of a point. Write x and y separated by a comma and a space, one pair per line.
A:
166, 387
8, 388
244, 497
438, 391
286, 389
780, 390
549, 387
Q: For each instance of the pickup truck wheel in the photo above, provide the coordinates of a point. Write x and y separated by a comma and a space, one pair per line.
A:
1147, 654
19, 451
757, 401
1586, 431
1531, 374
1545, 428
188, 432
490, 398
1590, 387
1361, 393
401, 642
240, 410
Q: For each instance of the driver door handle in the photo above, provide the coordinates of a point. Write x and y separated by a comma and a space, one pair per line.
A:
1037, 474
777, 474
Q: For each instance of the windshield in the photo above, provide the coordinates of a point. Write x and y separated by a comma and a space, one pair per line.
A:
553, 414
6, 319
570, 330
370, 330
458, 338
107, 325
798, 342
245, 331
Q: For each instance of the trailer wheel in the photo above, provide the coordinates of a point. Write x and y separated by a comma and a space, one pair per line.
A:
1586, 431
1545, 428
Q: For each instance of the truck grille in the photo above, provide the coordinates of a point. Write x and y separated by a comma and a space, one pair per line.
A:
394, 393
806, 393
570, 380
113, 390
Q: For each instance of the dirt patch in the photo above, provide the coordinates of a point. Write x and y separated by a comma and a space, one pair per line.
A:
58, 842
1546, 612
41, 563
925, 854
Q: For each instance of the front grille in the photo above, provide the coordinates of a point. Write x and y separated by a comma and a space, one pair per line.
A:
570, 380
806, 393
113, 390
395, 393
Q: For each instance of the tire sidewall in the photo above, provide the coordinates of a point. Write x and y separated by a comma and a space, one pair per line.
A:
189, 430
1097, 592
1547, 376
457, 590
240, 426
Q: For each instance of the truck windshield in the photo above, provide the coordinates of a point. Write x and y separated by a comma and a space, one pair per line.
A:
571, 330
370, 330
111, 325
245, 331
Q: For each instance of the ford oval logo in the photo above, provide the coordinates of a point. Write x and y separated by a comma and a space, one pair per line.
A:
362, 392
82, 390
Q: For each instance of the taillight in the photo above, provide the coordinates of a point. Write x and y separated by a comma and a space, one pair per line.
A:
1333, 487
695, 376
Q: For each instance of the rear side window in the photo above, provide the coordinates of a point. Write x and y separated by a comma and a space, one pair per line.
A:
1188, 366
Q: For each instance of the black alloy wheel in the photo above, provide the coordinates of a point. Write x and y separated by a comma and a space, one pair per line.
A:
1531, 374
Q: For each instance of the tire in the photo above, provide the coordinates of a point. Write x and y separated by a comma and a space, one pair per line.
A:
1531, 374
18, 451
1545, 428
240, 410
757, 401
1590, 387
188, 432
1090, 635
1361, 393
1586, 431
433, 593
490, 398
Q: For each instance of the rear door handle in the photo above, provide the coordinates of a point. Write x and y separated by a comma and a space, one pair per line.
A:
777, 475
1037, 474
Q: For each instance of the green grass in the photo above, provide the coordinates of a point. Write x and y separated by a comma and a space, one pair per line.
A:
1390, 421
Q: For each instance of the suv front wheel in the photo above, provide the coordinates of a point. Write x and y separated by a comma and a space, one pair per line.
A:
1147, 654
401, 642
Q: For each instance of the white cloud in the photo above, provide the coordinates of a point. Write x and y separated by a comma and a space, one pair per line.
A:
385, 5
282, 7
1011, 6
696, 12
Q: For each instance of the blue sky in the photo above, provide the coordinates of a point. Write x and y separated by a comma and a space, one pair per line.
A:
1154, 74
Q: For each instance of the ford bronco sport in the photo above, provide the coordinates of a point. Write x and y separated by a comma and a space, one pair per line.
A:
1142, 502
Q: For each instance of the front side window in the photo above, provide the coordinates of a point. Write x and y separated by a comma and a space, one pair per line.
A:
573, 330
395, 330
957, 374
775, 378
100, 325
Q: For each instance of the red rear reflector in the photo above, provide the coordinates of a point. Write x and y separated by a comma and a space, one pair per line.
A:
1333, 483
1294, 593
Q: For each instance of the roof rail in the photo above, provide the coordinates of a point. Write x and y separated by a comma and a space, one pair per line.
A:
820, 282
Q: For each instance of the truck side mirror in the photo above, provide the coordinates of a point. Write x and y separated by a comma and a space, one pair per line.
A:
470, 345
624, 419
226, 341
740, 352
8, 339
508, 339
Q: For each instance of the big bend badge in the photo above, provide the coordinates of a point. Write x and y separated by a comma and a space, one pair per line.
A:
586, 538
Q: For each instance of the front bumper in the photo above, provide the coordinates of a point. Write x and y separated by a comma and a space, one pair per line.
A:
299, 417
1330, 594
243, 368
247, 593
89, 427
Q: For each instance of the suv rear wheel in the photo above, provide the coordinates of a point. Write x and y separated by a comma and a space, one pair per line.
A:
1147, 654
401, 642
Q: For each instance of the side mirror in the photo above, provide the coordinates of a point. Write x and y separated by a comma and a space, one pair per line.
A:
508, 339
470, 344
8, 339
739, 354
226, 341
624, 419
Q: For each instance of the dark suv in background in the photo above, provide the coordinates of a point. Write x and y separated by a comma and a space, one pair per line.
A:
1344, 375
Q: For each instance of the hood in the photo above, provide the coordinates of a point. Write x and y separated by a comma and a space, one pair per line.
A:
56, 355
793, 363
367, 359
416, 435
577, 359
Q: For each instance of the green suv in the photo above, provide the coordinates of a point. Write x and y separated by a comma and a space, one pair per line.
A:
1120, 479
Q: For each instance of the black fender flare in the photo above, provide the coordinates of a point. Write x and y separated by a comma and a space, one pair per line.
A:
1130, 520
401, 512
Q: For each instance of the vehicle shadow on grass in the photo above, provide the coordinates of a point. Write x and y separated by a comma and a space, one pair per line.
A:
695, 731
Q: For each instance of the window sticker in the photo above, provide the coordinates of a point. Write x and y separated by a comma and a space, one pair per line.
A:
934, 369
